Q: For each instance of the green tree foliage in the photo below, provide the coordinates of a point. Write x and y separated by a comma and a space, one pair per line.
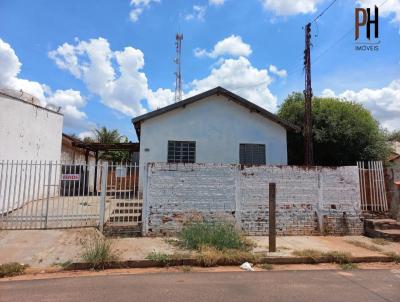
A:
106, 136
344, 132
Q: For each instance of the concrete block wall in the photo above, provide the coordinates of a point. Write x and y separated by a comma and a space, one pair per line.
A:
310, 201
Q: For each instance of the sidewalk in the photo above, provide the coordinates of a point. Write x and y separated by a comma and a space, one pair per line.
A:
47, 248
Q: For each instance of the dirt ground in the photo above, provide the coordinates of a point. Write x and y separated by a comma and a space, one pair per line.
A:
44, 249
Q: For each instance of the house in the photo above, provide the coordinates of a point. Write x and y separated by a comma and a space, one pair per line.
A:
394, 157
216, 126
70, 153
28, 131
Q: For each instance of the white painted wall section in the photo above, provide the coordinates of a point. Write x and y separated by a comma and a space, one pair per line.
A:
219, 126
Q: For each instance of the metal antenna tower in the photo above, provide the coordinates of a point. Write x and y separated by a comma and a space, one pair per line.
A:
178, 75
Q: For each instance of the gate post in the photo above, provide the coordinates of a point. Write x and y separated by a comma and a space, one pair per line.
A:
48, 194
104, 173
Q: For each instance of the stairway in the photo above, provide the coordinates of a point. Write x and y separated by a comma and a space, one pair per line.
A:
125, 219
382, 228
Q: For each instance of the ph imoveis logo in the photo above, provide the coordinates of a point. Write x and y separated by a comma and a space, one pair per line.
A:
363, 19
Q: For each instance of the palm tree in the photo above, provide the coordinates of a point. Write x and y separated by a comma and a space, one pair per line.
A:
106, 136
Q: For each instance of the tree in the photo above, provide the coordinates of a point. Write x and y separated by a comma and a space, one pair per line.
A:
106, 136
344, 132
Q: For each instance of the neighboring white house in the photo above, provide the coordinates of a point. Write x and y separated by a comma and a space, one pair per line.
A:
216, 126
28, 131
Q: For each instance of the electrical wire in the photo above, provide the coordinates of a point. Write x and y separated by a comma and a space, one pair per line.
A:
324, 11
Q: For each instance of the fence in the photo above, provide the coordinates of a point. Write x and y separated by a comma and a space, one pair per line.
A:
372, 186
309, 200
45, 194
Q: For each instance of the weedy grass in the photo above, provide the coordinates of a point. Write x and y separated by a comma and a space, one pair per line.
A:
160, 258
395, 257
266, 266
380, 241
219, 235
210, 256
365, 245
332, 256
12, 269
98, 251
312, 254
186, 268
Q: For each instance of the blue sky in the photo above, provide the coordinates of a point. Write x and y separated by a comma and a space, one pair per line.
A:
104, 61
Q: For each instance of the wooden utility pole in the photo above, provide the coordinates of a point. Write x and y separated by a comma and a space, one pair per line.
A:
272, 217
308, 137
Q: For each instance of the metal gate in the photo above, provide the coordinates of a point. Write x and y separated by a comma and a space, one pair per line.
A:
45, 194
372, 186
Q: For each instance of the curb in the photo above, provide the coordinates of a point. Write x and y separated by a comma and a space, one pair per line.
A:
194, 262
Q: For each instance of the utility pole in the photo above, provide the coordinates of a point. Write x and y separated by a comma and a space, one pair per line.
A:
308, 136
178, 75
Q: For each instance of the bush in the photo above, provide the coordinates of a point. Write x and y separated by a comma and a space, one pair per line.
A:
98, 251
219, 235
11, 269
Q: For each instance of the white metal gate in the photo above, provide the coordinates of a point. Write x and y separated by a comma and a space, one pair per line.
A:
45, 194
372, 186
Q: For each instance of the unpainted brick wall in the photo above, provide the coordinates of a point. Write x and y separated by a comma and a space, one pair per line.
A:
309, 201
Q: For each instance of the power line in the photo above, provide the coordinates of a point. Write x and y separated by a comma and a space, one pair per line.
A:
324, 11
340, 39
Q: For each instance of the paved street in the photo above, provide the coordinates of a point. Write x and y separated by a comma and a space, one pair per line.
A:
309, 286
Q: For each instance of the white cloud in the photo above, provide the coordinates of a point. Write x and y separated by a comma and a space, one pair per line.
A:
70, 100
117, 78
290, 7
279, 72
328, 93
160, 98
216, 2
122, 89
85, 134
232, 45
197, 13
391, 8
239, 76
384, 103
138, 7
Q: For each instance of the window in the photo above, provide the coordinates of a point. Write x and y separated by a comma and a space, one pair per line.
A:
181, 152
252, 154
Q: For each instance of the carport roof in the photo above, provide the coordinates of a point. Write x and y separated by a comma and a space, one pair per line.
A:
215, 91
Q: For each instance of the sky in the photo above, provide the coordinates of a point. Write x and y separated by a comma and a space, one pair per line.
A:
104, 62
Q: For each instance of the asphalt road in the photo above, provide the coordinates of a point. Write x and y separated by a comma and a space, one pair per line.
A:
308, 286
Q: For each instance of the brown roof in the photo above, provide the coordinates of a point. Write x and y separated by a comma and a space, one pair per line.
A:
215, 91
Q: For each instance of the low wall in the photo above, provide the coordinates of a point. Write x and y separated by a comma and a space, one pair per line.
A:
392, 175
309, 201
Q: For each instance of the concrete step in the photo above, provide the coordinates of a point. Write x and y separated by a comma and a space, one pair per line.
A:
382, 224
392, 235
123, 230
382, 228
